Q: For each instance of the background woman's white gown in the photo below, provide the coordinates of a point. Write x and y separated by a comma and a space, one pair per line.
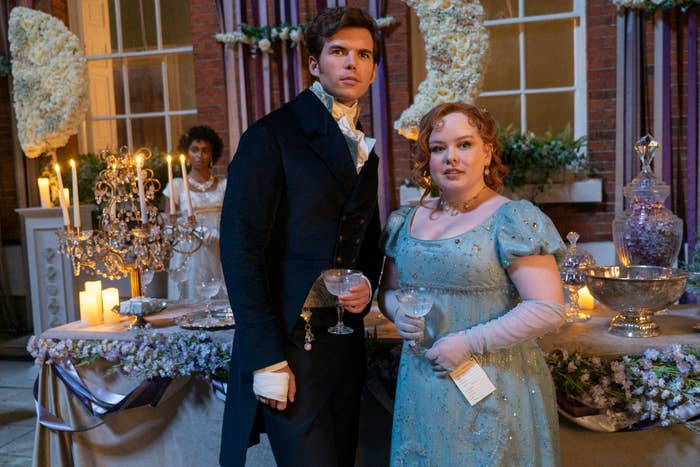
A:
206, 207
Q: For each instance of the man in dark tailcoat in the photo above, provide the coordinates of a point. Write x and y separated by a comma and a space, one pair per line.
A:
302, 198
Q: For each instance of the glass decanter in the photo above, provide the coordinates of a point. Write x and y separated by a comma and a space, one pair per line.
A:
647, 233
572, 270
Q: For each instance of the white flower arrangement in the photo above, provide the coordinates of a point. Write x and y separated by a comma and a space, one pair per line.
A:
456, 44
262, 38
655, 387
49, 80
149, 355
653, 5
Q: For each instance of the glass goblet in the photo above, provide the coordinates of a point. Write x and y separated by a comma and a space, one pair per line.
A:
179, 276
338, 283
415, 302
206, 288
572, 271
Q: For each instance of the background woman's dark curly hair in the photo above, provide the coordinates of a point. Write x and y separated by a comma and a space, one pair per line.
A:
481, 120
203, 133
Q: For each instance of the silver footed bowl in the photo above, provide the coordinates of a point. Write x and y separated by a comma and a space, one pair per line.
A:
636, 293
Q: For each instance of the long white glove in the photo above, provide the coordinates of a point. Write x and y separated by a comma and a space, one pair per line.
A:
529, 319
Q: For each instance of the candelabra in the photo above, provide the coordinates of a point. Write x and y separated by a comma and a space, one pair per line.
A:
132, 234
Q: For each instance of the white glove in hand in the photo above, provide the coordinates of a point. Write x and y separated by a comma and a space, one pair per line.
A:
408, 327
271, 385
449, 352
528, 320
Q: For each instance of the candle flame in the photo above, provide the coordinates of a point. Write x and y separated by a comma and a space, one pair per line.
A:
169, 158
72, 163
138, 160
57, 167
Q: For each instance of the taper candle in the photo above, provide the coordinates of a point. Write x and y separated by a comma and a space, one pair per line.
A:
142, 196
186, 183
76, 202
61, 194
171, 188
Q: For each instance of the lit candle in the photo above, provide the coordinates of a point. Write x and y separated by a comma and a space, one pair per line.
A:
96, 288
585, 299
76, 202
171, 188
61, 196
110, 299
187, 185
44, 193
90, 314
142, 196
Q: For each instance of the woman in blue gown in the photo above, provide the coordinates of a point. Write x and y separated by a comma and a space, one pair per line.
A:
491, 266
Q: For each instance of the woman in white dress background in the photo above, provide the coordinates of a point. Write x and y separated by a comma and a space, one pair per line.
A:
203, 147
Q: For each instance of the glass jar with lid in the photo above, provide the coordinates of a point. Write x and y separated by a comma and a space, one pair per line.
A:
647, 233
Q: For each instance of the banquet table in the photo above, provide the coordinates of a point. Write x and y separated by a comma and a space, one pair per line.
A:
183, 429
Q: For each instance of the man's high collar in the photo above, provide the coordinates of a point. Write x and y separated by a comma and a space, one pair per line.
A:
334, 107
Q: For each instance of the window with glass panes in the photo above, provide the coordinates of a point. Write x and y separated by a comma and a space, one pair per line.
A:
535, 79
140, 67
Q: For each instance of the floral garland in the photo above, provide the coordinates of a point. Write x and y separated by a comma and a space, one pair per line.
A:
456, 43
50, 80
261, 37
655, 387
653, 5
149, 355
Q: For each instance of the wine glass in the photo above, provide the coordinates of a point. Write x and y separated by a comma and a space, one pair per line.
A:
207, 286
572, 271
146, 278
338, 283
415, 302
179, 276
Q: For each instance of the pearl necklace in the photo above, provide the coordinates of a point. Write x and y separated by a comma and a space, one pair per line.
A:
460, 208
201, 186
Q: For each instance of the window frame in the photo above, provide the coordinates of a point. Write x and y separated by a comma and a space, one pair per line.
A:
579, 87
127, 115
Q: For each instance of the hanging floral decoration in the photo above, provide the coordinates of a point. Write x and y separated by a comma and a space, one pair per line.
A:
261, 38
658, 386
653, 5
150, 354
456, 45
49, 80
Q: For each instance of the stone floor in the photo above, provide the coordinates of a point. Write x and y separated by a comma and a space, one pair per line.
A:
17, 416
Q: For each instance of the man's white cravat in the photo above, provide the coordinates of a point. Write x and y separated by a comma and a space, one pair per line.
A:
359, 145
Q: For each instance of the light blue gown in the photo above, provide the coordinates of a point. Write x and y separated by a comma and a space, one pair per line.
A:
434, 425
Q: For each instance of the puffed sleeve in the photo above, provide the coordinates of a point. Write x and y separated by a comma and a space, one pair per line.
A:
390, 235
524, 230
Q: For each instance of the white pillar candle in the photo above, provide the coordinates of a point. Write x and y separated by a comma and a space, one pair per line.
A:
76, 202
186, 183
61, 194
171, 188
585, 299
44, 193
142, 195
90, 314
110, 299
96, 287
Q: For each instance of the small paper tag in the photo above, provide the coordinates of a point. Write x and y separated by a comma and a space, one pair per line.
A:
473, 381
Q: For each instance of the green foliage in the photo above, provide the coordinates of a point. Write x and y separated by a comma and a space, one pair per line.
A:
535, 159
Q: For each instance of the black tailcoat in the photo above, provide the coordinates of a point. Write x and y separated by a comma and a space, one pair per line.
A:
294, 206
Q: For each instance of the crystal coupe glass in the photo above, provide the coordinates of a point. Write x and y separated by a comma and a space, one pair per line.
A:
338, 283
